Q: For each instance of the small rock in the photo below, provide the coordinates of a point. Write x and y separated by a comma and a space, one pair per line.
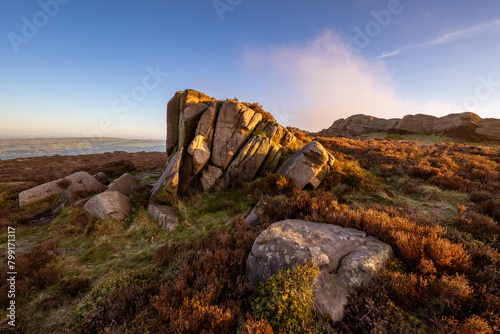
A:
209, 177
253, 218
126, 184
166, 217
101, 177
109, 204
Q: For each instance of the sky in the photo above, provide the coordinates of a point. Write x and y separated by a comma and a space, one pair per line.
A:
72, 68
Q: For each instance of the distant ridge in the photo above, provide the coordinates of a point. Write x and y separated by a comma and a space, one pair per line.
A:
465, 126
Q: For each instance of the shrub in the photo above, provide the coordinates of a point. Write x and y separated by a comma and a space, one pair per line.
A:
371, 310
74, 286
254, 326
286, 299
272, 185
207, 290
259, 109
112, 293
479, 226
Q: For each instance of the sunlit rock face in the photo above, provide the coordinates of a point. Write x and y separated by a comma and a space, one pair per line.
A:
214, 143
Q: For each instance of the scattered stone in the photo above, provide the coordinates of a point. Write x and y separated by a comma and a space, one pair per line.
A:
346, 257
109, 204
126, 184
77, 182
253, 218
165, 215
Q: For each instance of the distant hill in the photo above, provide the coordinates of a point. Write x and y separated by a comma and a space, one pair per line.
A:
22, 148
465, 126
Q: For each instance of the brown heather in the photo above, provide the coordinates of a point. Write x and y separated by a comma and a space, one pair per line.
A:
434, 204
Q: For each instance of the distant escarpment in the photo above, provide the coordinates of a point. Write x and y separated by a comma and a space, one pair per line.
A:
466, 126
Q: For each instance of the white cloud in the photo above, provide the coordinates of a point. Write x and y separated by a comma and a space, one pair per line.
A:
313, 84
491, 27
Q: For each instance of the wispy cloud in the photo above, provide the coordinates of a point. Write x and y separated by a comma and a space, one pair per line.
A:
315, 83
491, 27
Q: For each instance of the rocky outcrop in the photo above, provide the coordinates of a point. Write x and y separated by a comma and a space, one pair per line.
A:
308, 166
125, 184
346, 258
109, 204
489, 128
467, 126
77, 182
212, 142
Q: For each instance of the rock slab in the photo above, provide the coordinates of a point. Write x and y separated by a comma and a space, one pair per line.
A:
346, 257
77, 182
165, 215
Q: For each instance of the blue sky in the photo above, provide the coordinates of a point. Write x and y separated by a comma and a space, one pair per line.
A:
92, 68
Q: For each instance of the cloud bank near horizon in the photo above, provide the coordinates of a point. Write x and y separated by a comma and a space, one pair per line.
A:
313, 84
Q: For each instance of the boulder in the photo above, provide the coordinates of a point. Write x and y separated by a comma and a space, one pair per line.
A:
109, 204
77, 182
165, 190
462, 125
125, 184
416, 124
360, 124
489, 128
306, 164
235, 123
346, 257
165, 215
